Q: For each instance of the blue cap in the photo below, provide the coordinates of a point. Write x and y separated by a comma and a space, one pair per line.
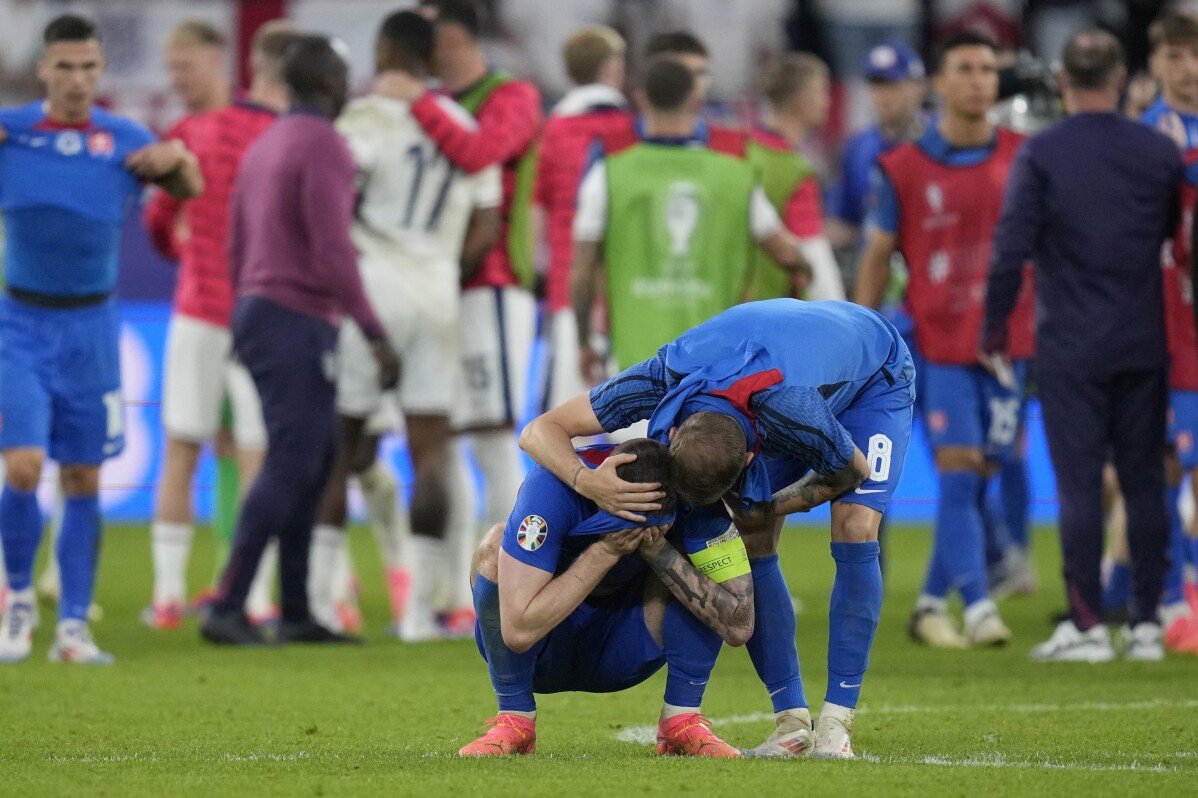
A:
893, 61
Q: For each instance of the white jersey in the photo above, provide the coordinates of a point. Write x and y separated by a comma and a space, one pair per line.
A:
414, 205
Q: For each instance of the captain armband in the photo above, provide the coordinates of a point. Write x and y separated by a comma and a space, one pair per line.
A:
724, 558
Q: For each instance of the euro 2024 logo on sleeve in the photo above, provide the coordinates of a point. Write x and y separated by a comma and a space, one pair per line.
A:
532, 532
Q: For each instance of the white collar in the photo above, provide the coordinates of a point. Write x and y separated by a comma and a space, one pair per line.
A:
581, 99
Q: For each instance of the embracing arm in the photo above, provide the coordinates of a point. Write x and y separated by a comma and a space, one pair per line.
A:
815, 489
725, 607
532, 602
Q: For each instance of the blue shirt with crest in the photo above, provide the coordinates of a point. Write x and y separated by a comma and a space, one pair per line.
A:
64, 193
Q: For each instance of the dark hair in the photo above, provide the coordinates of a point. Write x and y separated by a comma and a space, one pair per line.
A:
409, 39
675, 42
314, 71
1175, 27
667, 84
965, 38
70, 28
709, 454
467, 13
653, 464
1091, 59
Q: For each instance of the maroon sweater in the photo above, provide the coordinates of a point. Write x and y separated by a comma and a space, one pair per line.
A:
292, 207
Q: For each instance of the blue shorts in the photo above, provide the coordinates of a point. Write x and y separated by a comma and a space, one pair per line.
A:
879, 421
601, 647
966, 406
60, 381
1183, 426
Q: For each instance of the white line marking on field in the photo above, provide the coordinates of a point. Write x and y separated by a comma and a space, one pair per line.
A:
1000, 761
642, 735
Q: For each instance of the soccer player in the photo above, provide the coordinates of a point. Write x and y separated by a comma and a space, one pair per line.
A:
200, 369
895, 74
797, 90
571, 598
418, 217
295, 272
772, 428
594, 59
937, 202
1174, 62
665, 230
497, 307
69, 172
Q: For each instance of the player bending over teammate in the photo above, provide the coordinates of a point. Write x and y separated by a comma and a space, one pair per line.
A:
776, 407
566, 601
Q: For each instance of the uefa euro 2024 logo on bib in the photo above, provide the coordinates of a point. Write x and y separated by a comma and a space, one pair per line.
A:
532, 532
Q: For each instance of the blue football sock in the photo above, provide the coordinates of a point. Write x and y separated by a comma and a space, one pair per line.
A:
691, 648
994, 529
772, 647
1192, 550
1015, 493
20, 532
1174, 587
1117, 590
511, 673
78, 549
852, 619
960, 543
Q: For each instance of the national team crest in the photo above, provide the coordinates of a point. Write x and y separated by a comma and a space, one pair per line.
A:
532, 532
938, 421
69, 142
101, 143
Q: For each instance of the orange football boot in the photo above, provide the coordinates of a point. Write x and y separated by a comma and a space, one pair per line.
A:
691, 735
509, 734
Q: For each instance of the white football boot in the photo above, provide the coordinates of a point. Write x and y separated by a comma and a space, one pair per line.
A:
833, 733
934, 627
792, 737
985, 627
1143, 642
73, 643
16, 628
1069, 644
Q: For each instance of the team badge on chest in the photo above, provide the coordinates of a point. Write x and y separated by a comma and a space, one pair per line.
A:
532, 532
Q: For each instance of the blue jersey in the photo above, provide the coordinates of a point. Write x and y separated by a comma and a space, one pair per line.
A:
884, 210
546, 510
1158, 116
64, 193
825, 353
847, 199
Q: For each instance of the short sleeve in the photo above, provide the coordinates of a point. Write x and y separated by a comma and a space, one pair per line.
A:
630, 396
701, 525
544, 513
488, 187
883, 211
763, 219
590, 220
797, 422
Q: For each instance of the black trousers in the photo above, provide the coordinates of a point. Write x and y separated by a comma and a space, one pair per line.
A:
291, 357
1088, 420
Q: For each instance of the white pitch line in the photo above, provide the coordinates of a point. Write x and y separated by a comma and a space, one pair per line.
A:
642, 735
1000, 761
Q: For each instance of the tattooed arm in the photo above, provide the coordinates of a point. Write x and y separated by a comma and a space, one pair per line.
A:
815, 489
726, 607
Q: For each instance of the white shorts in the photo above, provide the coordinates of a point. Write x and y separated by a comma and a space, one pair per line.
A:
498, 325
200, 371
562, 378
423, 329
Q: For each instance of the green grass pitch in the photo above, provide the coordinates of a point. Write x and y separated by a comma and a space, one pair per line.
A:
176, 717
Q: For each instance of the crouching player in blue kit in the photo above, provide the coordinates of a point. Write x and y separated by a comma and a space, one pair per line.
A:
569, 598
776, 407
69, 172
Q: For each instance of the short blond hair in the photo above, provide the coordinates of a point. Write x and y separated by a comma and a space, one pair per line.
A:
197, 31
789, 75
587, 50
269, 45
